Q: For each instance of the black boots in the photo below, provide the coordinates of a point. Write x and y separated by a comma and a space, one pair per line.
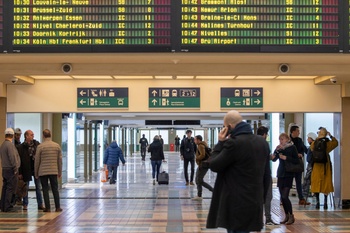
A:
285, 219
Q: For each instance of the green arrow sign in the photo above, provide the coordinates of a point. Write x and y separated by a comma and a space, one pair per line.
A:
174, 97
103, 98
247, 97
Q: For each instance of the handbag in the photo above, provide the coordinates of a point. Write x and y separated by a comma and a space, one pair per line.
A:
294, 167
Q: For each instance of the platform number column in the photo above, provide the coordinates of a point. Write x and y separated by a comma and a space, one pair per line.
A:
289, 22
317, 26
149, 25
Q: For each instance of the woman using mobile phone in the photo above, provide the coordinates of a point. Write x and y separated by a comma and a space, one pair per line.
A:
285, 151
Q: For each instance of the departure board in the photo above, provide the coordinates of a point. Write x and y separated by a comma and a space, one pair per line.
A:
72, 23
267, 23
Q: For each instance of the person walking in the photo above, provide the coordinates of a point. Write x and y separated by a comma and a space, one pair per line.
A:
27, 152
263, 131
177, 143
157, 156
201, 171
239, 158
111, 160
48, 167
10, 163
285, 151
187, 150
143, 143
321, 176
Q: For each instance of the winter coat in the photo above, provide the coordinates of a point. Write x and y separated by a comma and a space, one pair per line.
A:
156, 149
200, 152
113, 154
292, 157
188, 148
27, 161
237, 201
321, 176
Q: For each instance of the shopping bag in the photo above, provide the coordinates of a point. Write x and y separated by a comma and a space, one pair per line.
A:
104, 175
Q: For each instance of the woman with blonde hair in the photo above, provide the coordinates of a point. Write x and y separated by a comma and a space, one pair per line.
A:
285, 151
321, 176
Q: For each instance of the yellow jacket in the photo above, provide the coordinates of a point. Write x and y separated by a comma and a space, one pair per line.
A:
200, 153
321, 176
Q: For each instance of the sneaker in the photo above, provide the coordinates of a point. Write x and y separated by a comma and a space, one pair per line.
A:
197, 198
25, 207
154, 182
270, 222
191, 183
59, 209
187, 184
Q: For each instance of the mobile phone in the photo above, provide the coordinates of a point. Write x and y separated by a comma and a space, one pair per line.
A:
229, 130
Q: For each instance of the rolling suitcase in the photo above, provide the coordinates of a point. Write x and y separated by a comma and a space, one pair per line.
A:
163, 178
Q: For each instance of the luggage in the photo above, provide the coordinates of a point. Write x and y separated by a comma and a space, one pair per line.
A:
163, 178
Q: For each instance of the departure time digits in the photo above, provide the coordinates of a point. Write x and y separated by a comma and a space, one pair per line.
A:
92, 22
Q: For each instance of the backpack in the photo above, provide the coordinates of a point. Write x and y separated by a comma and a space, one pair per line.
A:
319, 154
207, 153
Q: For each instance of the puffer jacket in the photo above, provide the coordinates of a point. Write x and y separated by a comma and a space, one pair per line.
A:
113, 154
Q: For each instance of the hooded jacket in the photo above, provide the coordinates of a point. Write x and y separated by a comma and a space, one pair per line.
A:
113, 154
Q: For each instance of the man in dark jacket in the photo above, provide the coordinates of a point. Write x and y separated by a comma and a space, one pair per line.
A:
239, 159
111, 159
27, 152
299, 144
188, 149
143, 143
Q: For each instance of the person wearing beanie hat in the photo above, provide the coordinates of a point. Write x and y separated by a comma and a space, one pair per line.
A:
307, 178
10, 163
18, 134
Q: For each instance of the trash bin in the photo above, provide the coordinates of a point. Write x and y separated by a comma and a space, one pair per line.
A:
172, 147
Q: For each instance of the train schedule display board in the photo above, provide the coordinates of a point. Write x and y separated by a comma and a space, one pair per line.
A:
260, 25
85, 25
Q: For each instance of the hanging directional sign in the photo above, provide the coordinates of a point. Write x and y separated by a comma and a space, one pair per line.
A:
164, 97
103, 97
242, 97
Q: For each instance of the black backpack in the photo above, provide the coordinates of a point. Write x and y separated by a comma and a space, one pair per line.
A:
319, 154
207, 153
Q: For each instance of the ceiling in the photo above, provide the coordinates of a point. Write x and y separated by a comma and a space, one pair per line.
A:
28, 68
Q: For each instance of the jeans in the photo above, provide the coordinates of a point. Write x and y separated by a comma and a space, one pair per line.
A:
112, 173
39, 197
268, 202
298, 185
54, 187
200, 173
186, 161
8, 188
155, 167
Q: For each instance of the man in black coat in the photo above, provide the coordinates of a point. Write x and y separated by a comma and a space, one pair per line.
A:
27, 151
239, 159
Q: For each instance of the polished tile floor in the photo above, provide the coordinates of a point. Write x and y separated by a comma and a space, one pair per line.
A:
134, 204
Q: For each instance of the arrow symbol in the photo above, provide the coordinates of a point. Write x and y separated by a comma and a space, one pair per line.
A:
154, 93
257, 101
82, 93
257, 93
82, 102
154, 102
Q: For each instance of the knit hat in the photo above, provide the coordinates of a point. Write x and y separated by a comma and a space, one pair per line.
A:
311, 135
9, 131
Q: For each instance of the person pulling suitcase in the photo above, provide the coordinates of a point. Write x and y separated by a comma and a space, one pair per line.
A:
157, 156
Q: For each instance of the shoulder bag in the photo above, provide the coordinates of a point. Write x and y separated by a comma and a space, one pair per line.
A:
294, 167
